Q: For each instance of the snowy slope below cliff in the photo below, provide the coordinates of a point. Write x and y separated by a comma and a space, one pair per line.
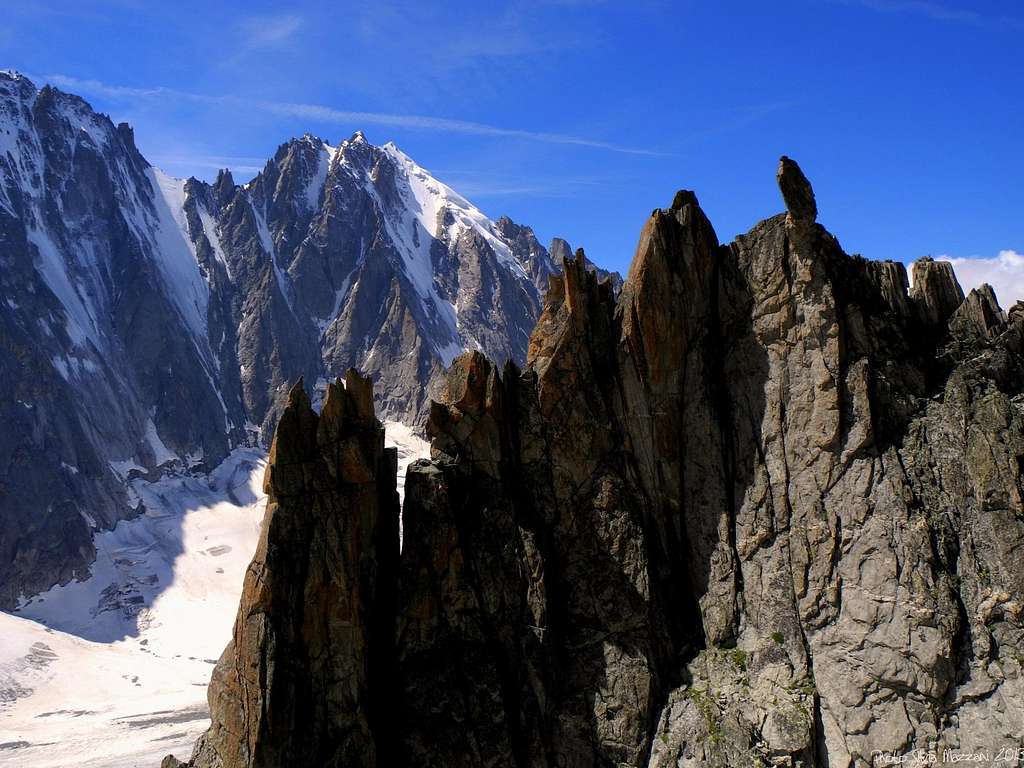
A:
114, 669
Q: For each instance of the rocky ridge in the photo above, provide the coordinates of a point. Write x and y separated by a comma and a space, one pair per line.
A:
763, 508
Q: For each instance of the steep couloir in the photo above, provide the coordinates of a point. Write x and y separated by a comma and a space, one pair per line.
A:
763, 508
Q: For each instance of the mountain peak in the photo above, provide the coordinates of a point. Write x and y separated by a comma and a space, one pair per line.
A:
312, 139
13, 74
392, 150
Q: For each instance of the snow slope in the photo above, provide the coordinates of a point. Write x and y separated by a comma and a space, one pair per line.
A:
177, 259
426, 197
114, 669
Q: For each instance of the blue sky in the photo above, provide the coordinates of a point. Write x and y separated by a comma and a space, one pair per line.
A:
579, 117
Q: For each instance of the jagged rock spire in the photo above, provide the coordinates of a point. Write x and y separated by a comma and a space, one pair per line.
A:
936, 290
796, 191
299, 682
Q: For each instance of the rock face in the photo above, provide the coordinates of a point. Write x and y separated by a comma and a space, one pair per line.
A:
764, 508
181, 311
300, 682
113, 358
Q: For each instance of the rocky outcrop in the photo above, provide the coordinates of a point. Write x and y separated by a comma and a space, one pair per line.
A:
302, 681
936, 290
762, 508
560, 251
796, 191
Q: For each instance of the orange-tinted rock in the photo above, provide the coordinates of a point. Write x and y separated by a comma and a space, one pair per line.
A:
298, 684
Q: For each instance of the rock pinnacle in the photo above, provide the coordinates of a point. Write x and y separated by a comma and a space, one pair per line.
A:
796, 190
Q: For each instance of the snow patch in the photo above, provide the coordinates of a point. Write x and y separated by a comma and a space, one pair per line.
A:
123, 468
161, 453
114, 669
210, 230
175, 252
410, 448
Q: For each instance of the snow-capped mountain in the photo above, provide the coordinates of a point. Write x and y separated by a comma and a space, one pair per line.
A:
380, 266
148, 321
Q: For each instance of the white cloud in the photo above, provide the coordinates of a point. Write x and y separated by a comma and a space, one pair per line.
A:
269, 31
213, 162
1005, 273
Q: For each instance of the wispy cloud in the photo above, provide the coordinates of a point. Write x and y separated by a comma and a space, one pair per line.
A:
485, 184
269, 31
325, 114
447, 45
937, 11
1004, 272
214, 162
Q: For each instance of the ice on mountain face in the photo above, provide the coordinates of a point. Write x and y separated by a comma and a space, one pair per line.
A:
13, 126
62, 368
339, 297
81, 322
412, 234
81, 118
431, 196
73, 366
430, 211
210, 231
449, 352
176, 255
267, 241
314, 191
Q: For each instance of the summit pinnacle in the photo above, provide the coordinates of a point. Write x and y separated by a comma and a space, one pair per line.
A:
796, 190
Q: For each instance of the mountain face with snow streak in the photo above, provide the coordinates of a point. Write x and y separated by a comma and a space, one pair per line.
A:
114, 344
380, 266
147, 321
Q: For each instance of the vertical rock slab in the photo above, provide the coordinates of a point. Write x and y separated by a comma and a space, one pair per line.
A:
299, 684
936, 291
